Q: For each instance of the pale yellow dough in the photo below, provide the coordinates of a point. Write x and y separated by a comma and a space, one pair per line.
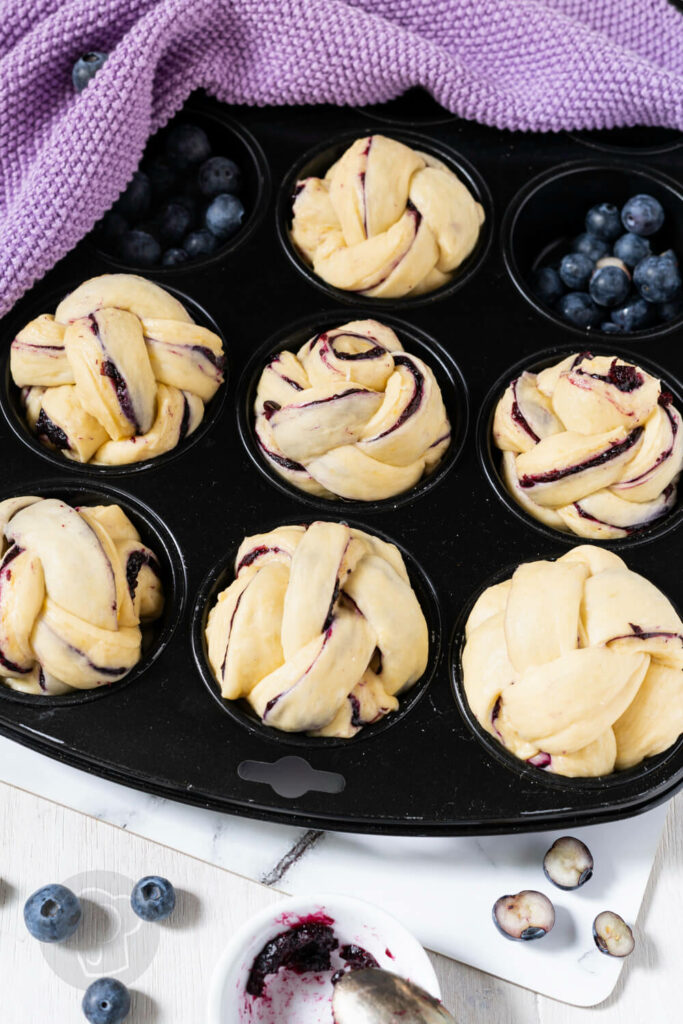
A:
75, 585
606, 416
386, 220
351, 414
580, 660
320, 631
119, 374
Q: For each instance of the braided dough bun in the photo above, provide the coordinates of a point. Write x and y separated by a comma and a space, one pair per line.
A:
119, 374
576, 665
75, 584
320, 631
385, 221
591, 446
351, 415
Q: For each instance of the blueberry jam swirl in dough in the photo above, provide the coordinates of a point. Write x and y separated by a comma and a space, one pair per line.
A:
320, 631
591, 446
576, 666
75, 586
351, 415
119, 374
385, 221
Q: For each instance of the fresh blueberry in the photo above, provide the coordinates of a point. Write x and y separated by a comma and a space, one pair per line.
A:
52, 913
634, 315
153, 898
218, 174
173, 223
631, 249
106, 1001
657, 278
670, 255
671, 310
609, 286
200, 243
604, 221
547, 285
224, 216
579, 309
135, 202
112, 227
592, 247
86, 67
643, 215
187, 145
161, 175
610, 328
575, 270
174, 257
140, 249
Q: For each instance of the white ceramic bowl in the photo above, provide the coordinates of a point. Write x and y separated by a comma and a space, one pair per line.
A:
306, 999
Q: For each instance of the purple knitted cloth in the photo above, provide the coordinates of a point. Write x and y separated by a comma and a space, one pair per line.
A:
525, 64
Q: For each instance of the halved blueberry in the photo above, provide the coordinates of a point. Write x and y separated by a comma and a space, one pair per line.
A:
568, 863
525, 916
612, 935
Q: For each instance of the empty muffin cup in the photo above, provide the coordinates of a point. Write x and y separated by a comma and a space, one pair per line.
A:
416, 343
638, 141
491, 458
548, 213
222, 575
228, 138
14, 405
168, 567
318, 161
537, 768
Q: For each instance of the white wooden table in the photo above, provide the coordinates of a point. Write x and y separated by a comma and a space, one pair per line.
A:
44, 842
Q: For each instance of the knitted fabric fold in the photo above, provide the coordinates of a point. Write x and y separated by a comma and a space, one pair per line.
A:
539, 65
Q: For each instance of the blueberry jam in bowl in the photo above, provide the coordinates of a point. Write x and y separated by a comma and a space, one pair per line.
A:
281, 966
165, 560
316, 163
13, 404
583, 272
415, 342
201, 189
493, 463
222, 576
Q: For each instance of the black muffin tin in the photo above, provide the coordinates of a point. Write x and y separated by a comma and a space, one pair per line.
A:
427, 769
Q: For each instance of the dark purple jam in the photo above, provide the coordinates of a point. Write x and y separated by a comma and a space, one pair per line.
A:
415, 400
47, 428
518, 415
376, 351
109, 369
598, 460
307, 947
540, 760
185, 421
356, 720
252, 555
624, 378
270, 408
135, 562
217, 361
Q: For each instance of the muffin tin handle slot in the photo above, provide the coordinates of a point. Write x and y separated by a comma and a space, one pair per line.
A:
291, 777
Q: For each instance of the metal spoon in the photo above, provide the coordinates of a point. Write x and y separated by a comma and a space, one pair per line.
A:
379, 997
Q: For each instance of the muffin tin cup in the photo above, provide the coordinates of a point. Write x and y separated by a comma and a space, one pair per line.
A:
228, 138
10, 396
223, 574
156, 536
638, 141
490, 456
316, 162
572, 786
548, 213
416, 342
415, 108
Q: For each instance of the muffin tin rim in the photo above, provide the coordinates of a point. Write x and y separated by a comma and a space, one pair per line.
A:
520, 767
262, 196
248, 382
471, 177
623, 152
486, 451
218, 578
515, 209
213, 409
169, 552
